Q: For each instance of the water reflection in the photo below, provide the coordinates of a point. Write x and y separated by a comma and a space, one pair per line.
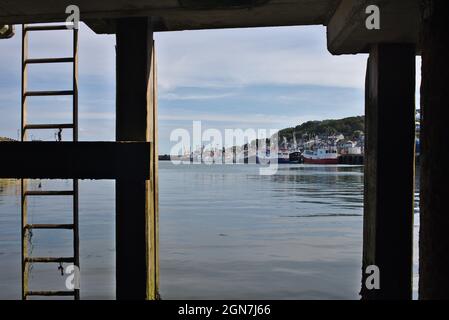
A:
9, 186
225, 232
293, 235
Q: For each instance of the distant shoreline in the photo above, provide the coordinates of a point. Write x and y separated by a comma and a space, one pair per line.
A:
6, 139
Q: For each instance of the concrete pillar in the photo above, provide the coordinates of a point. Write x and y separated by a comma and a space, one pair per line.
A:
389, 170
434, 177
136, 200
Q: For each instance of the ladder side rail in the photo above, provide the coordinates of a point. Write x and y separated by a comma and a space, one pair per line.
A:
75, 139
23, 182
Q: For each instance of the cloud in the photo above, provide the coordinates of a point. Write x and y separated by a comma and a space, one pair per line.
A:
245, 57
255, 77
96, 81
249, 118
207, 58
178, 96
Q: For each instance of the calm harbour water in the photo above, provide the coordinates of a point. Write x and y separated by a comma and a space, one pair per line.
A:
225, 232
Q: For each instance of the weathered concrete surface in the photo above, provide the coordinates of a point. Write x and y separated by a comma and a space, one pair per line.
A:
75, 160
347, 32
434, 232
175, 14
137, 249
345, 19
389, 170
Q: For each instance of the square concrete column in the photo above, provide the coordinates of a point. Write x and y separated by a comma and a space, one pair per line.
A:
434, 211
389, 170
136, 199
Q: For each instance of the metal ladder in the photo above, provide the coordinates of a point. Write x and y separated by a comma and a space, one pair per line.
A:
25, 194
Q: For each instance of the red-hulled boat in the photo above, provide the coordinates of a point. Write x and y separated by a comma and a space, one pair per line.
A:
321, 156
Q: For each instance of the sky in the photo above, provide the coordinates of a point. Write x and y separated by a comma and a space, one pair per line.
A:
260, 78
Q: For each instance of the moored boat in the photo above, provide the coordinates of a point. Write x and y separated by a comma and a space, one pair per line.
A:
281, 157
321, 156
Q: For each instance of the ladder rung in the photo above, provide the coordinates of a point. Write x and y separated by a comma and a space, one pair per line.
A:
49, 226
49, 193
49, 259
46, 28
48, 126
49, 93
49, 60
50, 293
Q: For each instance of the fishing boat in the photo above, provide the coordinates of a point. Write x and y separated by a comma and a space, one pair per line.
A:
281, 157
321, 156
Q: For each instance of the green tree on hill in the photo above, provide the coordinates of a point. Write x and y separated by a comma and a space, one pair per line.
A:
351, 128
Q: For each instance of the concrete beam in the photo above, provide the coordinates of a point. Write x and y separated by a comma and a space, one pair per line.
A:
347, 32
174, 14
75, 160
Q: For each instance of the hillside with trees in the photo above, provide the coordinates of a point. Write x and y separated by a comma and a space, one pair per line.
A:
350, 127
